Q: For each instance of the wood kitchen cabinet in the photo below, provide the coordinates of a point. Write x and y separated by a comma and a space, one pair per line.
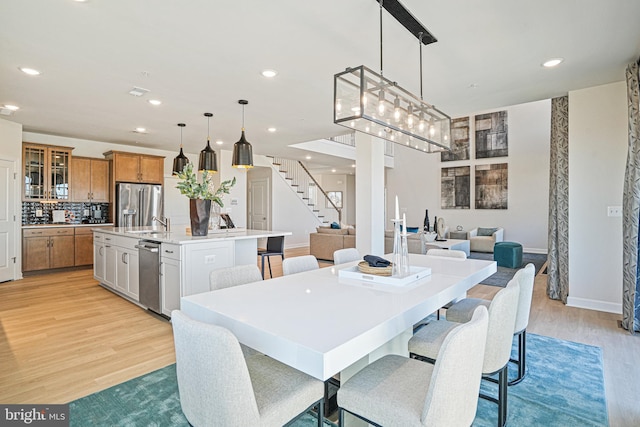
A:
48, 248
45, 172
132, 167
89, 180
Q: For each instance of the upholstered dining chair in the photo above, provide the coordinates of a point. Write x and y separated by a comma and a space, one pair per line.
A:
275, 247
463, 310
399, 391
451, 253
425, 343
234, 276
218, 386
346, 255
299, 264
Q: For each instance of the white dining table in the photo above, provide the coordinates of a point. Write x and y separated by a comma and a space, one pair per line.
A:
323, 324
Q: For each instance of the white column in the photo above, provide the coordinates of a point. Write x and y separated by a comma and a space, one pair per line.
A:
369, 194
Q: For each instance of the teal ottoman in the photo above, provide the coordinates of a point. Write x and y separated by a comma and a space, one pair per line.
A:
508, 254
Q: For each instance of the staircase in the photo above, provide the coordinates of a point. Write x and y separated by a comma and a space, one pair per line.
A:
296, 175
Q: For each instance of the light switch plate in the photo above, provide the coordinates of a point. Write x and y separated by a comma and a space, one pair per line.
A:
39, 213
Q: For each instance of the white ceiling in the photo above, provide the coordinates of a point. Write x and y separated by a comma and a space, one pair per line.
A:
202, 56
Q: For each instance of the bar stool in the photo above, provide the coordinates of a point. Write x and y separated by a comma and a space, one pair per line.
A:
275, 246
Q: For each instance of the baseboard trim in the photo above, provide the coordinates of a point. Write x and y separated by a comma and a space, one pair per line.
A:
591, 304
535, 251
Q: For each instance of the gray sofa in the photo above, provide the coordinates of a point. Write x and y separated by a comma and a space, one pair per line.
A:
415, 241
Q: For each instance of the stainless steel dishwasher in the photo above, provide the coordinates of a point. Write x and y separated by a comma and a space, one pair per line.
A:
149, 274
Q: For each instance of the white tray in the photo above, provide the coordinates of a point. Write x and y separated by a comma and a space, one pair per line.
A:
415, 273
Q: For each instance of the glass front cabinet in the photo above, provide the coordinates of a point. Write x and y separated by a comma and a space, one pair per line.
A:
46, 172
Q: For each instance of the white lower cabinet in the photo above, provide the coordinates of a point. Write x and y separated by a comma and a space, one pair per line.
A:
170, 285
127, 280
98, 261
110, 263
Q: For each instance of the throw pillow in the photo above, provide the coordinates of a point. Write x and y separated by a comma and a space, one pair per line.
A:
486, 231
335, 225
412, 229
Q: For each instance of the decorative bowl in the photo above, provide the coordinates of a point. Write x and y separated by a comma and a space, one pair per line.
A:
430, 236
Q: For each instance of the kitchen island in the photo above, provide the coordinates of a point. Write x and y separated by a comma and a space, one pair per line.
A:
184, 261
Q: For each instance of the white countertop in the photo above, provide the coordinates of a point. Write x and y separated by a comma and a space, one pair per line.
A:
66, 224
179, 236
320, 324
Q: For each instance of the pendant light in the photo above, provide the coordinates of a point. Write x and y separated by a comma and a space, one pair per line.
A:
181, 160
242, 151
208, 161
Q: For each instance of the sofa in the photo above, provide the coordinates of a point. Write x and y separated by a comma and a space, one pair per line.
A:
415, 242
482, 239
326, 240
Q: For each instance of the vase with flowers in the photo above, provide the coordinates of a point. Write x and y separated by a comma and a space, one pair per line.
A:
201, 194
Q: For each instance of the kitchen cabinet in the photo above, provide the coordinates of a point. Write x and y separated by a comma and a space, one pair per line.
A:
132, 167
119, 256
84, 245
47, 248
170, 277
89, 180
45, 172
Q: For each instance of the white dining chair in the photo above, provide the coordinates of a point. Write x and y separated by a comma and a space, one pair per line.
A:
425, 343
299, 264
463, 310
399, 391
217, 386
342, 256
450, 253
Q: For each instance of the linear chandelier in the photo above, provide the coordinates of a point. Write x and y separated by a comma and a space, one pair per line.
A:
368, 102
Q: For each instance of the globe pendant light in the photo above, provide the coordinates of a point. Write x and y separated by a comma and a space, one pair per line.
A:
181, 160
208, 161
242, 151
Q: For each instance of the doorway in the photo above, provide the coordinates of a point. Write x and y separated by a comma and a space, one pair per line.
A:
7, 221
259, 206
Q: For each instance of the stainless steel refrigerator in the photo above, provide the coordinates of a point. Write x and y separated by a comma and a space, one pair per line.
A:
136, 204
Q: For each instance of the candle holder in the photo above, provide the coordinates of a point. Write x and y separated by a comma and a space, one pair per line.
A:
400, 267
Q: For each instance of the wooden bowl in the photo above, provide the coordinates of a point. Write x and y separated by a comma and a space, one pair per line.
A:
364, 267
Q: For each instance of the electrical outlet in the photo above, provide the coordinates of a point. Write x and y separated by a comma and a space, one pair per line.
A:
614, 210
85, 212
210, 259
39, 213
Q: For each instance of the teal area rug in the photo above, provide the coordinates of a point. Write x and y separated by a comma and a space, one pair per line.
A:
504, 274
564, 386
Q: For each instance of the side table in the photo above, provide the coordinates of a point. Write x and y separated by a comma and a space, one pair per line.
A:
462, 235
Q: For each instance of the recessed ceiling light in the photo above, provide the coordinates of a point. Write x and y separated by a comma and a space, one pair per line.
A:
11, 107
333, 170
308, 157
353, 165
141, 130
29, 71
552, 62
269, 73
80, 1
219, 142
154, 102
271, 129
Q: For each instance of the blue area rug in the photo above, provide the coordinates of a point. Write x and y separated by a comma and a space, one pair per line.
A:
564, 387
504, 274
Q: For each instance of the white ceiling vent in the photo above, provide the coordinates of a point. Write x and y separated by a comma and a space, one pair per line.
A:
5, 111
138, 91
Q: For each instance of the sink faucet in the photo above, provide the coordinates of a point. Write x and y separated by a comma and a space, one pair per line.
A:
166, 223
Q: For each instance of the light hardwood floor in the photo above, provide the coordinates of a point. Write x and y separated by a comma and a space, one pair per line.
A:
62, 337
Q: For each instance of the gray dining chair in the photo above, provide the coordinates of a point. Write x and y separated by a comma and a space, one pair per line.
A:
299, 264
399, 391
275, 247
425, 343
463, 310
218, 386
234, 276
342, 256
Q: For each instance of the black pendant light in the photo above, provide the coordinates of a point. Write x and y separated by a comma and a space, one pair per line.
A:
242, 151
181, 160
208, 161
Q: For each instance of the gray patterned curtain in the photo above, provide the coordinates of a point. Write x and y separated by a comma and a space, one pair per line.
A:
558, 253
631, 209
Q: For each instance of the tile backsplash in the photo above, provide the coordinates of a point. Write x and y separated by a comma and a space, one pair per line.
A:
74, 213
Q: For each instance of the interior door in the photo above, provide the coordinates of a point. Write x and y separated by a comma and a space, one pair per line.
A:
259, 193
7, 221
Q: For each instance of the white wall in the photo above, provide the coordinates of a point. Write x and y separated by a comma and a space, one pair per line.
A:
598, 140
11, 150
416, 180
